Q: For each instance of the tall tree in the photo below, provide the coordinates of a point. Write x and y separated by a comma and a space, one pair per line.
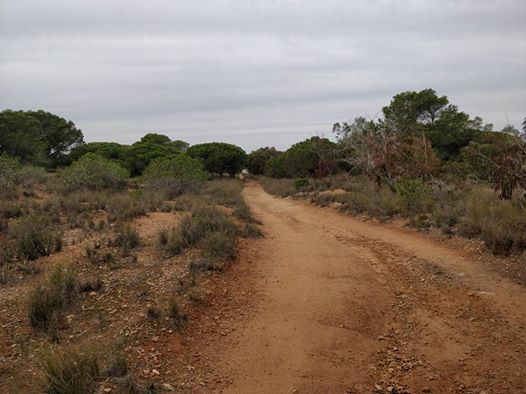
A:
20, 137
425, 113
59, 136
38, 137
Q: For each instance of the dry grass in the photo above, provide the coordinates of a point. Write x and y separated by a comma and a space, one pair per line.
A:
69, 370
51, 296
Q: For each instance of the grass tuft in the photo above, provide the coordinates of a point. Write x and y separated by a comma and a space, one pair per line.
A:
51, 296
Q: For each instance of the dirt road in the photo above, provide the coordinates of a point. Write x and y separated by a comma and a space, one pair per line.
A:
347, 306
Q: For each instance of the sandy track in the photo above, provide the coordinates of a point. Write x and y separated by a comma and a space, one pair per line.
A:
347, 306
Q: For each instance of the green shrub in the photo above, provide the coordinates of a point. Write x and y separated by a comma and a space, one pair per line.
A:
225, 192
30, 175
69, 370
196, 226
501, 224
10, 168
300, 183
175, 174
34, 237
51, 296
218, 245
10, 209
93, 172
414, 196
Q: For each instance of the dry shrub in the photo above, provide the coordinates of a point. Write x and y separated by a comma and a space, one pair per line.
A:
218, 245
69, 370
51, 296
127, 238
33, 237
196, 226
281, 187
176, 313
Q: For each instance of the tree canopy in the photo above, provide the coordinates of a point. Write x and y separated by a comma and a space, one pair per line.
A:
219, 157
175, 174
315, 156
38, 137
256, 160
426, 113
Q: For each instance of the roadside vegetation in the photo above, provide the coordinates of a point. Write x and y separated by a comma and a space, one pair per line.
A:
78, 257
424, 160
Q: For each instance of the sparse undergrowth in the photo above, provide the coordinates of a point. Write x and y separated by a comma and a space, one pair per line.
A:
473, 211
96, 229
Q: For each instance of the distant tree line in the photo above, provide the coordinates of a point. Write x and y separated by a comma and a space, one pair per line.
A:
421, 135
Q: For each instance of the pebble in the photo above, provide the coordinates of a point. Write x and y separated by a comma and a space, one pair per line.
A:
167, 387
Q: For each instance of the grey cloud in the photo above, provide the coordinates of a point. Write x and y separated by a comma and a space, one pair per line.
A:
255, 72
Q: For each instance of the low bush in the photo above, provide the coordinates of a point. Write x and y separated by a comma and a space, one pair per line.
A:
301, 183
69, 370
10, 168
33, 237
175, 175
51, 296
225, 192
218, 245
473, 211
194, 227
93, 172
281, 187
501, 224
127, 238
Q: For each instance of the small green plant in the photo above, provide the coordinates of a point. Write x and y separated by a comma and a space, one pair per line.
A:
69, 370
51, 296
196, 226
300, 183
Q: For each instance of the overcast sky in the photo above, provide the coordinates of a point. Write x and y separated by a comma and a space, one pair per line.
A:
255, 72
